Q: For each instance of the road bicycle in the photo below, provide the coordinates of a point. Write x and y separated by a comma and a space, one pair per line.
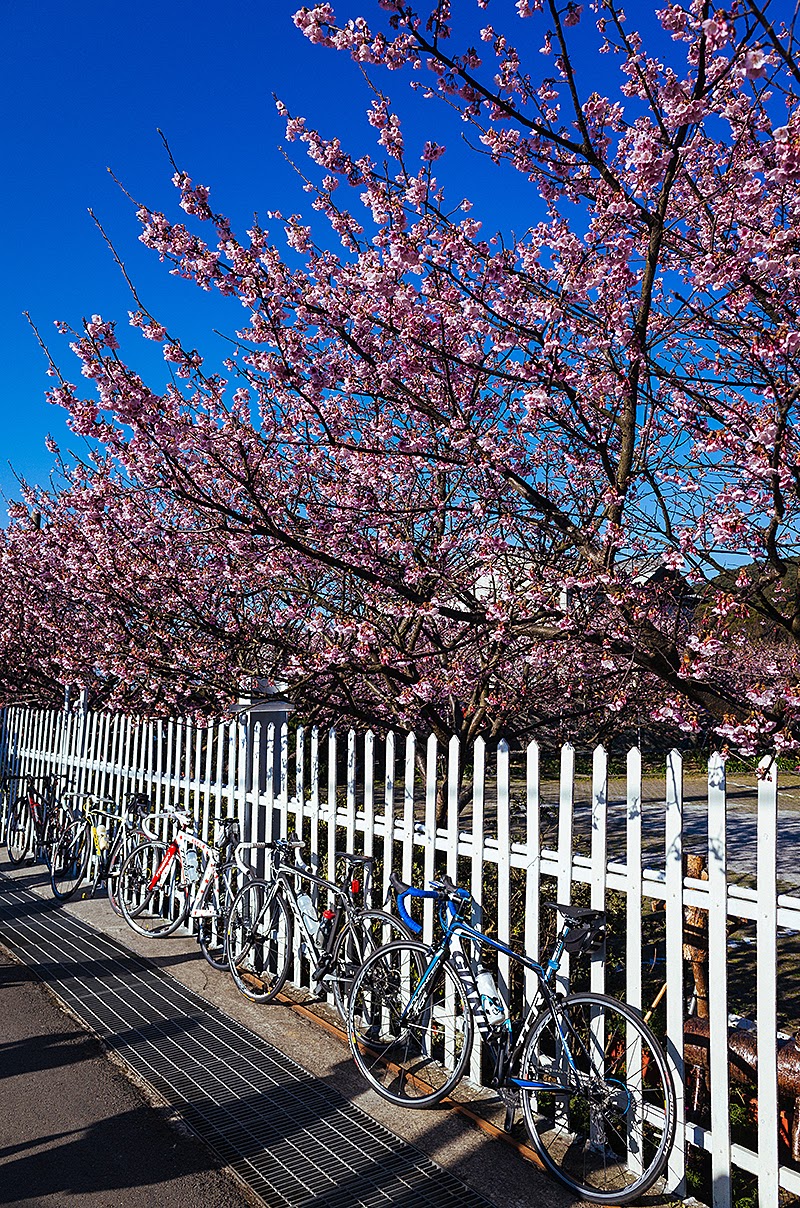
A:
35, 818
268, 912
98, 838
596, 1093
162, 885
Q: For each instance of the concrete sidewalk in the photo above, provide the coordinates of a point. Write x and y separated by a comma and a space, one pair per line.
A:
483, 1163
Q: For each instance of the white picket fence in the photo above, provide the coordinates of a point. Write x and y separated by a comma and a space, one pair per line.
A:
516, 842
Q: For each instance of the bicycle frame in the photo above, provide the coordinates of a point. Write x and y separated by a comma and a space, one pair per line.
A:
177, 847
39, 804
450, 947
283, 881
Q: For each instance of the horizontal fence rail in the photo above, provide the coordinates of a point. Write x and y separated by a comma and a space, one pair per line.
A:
519, 830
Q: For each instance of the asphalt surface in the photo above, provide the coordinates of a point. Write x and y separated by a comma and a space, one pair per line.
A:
74, 1130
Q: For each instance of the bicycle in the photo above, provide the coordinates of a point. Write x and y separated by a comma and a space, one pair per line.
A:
162, 885
265, 913
597, 1095
103, 833
35, 819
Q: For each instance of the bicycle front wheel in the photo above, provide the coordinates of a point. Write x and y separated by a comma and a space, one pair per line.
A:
19, 834
259, 939
212, 932
409, 1024
361, 935
606, 1128
153, 898
69, 860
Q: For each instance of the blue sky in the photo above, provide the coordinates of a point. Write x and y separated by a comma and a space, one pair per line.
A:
84, 87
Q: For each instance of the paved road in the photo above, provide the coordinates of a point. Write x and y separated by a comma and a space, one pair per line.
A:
74, 1130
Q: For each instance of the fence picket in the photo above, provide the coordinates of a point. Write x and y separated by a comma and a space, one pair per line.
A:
633, 913
719, 1088
766, 985
599, 856
408, 808
503, 861
673, 883
533, 863
388, 814
429, 860
566, 803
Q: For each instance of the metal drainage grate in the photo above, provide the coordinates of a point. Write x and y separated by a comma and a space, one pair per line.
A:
290, 1136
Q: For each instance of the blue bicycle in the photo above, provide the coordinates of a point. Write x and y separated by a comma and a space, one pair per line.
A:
596, 1093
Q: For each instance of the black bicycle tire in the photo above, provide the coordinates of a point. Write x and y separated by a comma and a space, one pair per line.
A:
115, 853
340, 990
57, 821
657, 1164
383, 1055
79, 833
27, 854
132, 911
245, 979
220, 961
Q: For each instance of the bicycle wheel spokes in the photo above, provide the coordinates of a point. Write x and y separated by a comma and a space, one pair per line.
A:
212, 931
19, 834
152, 909
259, 938
360, 936
69, 860
607, 1130
410, 1030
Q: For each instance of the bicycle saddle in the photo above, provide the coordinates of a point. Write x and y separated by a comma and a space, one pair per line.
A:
354, 857
576, 914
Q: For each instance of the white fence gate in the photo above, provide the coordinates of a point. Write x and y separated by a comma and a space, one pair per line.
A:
515, 831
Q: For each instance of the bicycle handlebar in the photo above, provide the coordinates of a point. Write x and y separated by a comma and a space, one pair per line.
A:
179, 816
444, 890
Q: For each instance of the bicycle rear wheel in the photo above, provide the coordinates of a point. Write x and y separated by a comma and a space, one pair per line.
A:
606, 1132
153, 898
212, 932
58, 821
409, 1024
19, 834
114, 858
360, 936
259, 938
69, 860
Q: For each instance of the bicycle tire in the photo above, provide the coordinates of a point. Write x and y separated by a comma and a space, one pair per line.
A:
418, 1060
156, 912
212, 933
19, 835
259, 938
69, 860
114, 857
608, 1138
361, 935
58, 820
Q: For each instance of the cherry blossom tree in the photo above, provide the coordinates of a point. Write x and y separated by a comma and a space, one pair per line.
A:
435, 453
